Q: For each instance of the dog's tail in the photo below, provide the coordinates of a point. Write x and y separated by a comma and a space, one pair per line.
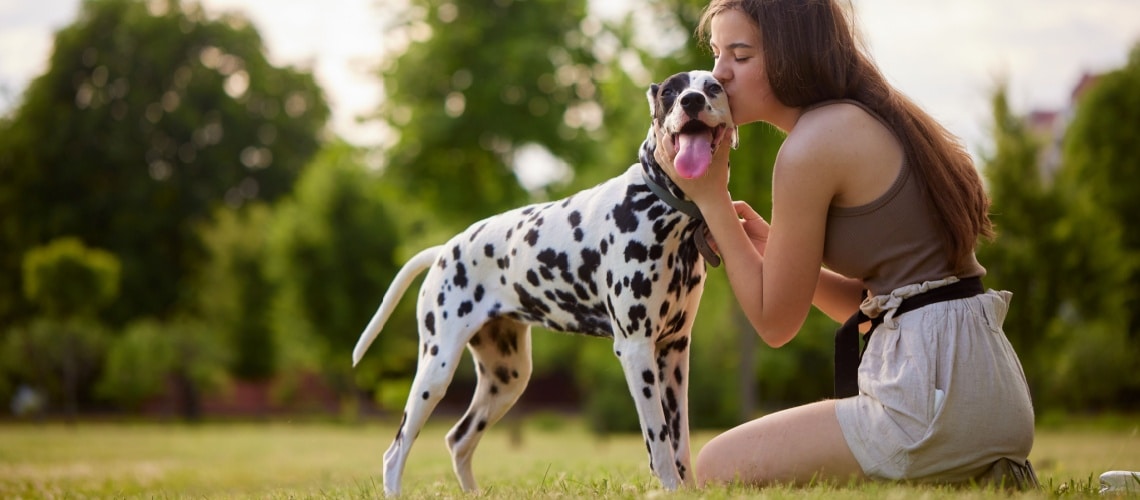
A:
399, 285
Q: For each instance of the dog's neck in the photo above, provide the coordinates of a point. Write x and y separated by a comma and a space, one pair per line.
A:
672, 195
655, 174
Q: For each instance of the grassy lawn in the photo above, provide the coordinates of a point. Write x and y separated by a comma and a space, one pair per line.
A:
555, 459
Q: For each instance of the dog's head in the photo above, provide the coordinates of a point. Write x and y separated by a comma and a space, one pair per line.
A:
691, 111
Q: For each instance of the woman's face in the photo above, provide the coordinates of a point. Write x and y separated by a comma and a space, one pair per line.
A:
739, 65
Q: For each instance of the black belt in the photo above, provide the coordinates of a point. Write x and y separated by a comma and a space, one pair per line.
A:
847, 352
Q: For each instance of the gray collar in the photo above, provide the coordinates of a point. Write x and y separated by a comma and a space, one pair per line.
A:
685, 206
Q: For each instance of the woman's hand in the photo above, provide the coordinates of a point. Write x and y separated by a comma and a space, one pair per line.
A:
754, 226
710, 186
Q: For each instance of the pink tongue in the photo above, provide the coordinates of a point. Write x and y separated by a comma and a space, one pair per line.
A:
694, 154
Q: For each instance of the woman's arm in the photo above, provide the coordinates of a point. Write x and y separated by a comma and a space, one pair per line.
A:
836, 295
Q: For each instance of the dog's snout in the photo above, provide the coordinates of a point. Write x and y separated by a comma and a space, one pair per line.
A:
692, 103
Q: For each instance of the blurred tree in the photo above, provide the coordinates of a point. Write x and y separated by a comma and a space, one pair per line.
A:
331, 253
149, 115
233, 292
186, 352
1100, 173
137, 366
475, 83
62, 350
67, 279
1050, 231
1023, 208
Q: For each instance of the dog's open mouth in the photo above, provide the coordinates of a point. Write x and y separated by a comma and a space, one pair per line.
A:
695, 144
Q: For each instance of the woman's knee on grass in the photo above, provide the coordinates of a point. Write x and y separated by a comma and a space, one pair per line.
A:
797, 446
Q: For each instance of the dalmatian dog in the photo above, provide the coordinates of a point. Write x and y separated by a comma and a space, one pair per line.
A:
619, 260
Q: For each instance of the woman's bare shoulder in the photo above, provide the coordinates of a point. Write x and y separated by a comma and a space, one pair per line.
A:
848, 145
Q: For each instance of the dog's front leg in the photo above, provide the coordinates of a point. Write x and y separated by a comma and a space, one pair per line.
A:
639, 362
673, 382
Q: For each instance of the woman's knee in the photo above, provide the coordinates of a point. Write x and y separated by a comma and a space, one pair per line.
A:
722, 461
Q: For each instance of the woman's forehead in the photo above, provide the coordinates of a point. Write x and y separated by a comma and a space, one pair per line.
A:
733, 29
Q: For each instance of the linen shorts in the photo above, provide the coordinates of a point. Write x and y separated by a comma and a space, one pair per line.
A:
942, 395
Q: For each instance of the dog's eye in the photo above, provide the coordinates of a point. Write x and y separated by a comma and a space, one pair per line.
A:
715, 88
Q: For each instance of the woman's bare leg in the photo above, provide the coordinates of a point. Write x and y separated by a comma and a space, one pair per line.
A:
797, 446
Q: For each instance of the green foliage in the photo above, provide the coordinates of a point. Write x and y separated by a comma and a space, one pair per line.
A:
146, 119
480, 80
58, 356
137, 365
1062, 250
608, 404
233, 292
66, 278
331, 253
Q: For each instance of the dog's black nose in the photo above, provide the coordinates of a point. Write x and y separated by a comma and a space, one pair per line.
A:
692, 103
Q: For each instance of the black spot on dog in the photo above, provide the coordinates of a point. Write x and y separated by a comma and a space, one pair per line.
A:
482, 425
529, 303
489, 250
503, 374
460, 275
507, 341
634, 250
591, 262
400, 429
429, 322
640, 286
647, 376
461, 429
435, 350
426, 395
465, 308
531, 237
479, 293
647, 392
532, 277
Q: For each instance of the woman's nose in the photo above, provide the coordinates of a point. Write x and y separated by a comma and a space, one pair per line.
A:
720, 71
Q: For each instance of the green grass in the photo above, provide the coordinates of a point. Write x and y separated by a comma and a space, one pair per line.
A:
555, 459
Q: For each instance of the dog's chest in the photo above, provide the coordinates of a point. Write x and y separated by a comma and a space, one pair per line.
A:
615, 250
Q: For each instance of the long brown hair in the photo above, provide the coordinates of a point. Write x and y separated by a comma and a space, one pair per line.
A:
811, 55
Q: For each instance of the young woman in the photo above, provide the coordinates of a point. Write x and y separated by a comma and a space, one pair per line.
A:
870, 196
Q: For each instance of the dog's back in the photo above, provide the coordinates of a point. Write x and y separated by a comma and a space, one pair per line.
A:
567, 264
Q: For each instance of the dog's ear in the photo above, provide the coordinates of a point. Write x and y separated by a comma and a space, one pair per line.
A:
652, 95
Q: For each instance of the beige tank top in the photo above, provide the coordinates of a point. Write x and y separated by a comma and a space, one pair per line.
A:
892, 241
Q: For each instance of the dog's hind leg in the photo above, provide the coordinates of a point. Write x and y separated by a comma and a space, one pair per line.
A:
501, 350
436, 366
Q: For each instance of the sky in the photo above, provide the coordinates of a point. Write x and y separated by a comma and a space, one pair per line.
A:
945, 54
